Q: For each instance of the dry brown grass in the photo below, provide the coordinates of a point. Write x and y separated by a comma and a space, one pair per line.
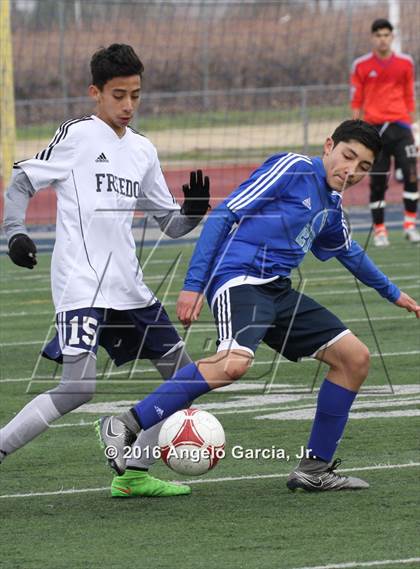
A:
247, 46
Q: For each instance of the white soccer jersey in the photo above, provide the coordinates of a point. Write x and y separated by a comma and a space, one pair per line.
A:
99, 180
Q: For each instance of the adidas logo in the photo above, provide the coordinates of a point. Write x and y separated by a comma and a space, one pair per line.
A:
373, 73
159, 411
102, 158
307, 203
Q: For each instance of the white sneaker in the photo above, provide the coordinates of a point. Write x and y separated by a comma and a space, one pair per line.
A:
412, 235
381, 239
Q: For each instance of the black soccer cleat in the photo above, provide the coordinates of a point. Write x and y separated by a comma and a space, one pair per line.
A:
318, 476
116, 439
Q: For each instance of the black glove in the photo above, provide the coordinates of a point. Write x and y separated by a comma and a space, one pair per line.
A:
197, 195
22, 251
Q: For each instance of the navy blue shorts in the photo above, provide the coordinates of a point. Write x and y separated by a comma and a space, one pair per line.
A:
289, 322
141, 333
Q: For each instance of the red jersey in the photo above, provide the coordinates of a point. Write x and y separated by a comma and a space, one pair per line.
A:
383, 88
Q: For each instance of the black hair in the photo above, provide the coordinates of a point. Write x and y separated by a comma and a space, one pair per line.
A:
360, 131
117, 60
381, 24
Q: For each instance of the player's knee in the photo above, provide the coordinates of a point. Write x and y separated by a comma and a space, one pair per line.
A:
357, 364
69, 396
236, 366
78, 383
362, 362
377, 191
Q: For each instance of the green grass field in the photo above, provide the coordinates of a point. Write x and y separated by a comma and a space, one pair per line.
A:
56, 509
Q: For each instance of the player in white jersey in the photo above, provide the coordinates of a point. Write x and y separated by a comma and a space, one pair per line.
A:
102, 171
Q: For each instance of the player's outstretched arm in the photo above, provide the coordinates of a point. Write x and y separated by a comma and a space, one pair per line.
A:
405, 301
189, 306
196, 195
195, 206
22, 250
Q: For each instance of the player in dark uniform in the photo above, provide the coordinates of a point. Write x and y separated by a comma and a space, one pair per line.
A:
102, 171
382, 93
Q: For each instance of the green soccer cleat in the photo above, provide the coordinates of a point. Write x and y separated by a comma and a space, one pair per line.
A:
135, 483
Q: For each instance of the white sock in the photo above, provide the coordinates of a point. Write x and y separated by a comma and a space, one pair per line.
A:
31, 421
144, 450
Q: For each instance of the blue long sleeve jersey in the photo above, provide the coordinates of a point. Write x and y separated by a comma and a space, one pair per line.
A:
266, 226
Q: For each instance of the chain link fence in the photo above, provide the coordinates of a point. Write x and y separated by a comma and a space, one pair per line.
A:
224, 80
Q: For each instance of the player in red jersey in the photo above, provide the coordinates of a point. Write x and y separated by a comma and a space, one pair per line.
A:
382, 92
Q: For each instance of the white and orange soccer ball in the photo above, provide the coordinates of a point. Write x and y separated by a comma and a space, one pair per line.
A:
192, 442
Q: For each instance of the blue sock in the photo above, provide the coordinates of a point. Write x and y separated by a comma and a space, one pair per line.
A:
174, 394
331, 416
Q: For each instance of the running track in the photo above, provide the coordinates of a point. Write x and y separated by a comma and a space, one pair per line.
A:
224, 179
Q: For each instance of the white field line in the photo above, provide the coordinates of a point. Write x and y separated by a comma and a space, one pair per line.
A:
158, 279
70, 425
363, 402
12, 275
394, 278
356, 564
46, 274
44, 289
210, 480
315, 293
308, 277
306, 272
45, 378
32, 343
37, 277
31, 290
26, 313
280, 408
197, 327
340, 269
270, 408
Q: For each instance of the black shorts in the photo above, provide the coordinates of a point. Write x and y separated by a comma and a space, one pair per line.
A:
289, 322
141, 333
398, 141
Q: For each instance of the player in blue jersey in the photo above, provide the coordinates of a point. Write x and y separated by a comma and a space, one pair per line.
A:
242, 262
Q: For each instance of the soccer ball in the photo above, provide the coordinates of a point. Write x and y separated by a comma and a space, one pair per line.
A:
191, 442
